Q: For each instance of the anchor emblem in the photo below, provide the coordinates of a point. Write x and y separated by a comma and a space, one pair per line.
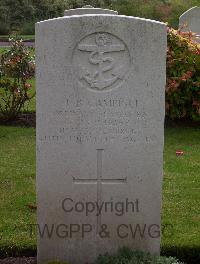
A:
104, 71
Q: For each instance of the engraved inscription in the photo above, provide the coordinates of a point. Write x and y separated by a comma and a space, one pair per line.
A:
103, 61
100, 121
99, 181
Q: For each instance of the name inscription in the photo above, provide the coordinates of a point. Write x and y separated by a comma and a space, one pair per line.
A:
97, 121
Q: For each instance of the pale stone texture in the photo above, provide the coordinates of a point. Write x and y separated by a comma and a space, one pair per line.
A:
100, 115
190, 21
89, 10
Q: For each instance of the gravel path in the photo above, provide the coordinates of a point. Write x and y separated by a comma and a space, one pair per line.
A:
23, 260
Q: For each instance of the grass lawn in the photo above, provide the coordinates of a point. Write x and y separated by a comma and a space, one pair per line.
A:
181, 189
17, 187
2, 49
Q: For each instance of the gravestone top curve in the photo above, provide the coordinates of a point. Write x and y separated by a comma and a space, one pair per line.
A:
190, 21
85, 10
88, 6
195, 9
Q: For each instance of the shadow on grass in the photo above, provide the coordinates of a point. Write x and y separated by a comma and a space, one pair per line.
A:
189, 255
12, 251
24, 119
181, 123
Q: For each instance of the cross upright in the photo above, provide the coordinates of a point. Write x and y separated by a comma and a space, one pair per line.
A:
99, 181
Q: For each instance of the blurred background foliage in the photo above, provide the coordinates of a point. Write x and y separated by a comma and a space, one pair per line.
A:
21, 15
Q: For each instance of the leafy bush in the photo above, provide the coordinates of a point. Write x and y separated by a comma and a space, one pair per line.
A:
162, 10
127, 256
28, 29
183, 76
16, 68
80, 3
4, 28
22, 14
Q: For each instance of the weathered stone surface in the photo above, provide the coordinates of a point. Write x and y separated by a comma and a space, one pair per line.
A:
100, 115
190, 21
89, 10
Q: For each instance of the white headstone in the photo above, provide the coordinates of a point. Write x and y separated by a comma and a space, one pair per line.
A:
190, 21
88, 10
100, 115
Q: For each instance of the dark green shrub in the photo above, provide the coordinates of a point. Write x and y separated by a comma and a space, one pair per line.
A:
28, 29
162, 10
4, 29
127, 256
183, 76
95, 3
17, 67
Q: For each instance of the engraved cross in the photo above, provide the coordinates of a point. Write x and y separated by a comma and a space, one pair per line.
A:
99, 181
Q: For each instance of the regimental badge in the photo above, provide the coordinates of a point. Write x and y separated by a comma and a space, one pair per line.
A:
101, 61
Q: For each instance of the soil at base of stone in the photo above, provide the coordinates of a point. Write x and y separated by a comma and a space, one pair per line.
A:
24, 260
23, 120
